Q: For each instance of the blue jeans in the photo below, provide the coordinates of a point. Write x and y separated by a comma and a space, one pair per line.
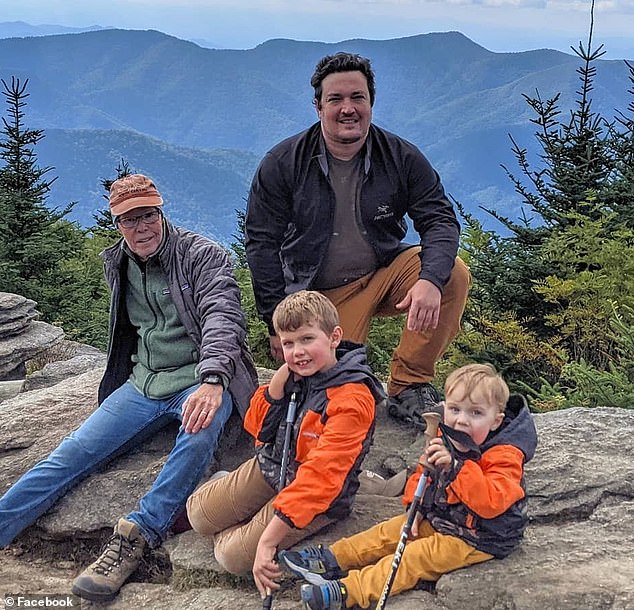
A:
122, 421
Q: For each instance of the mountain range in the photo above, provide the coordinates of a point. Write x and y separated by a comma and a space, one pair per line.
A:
199, 119
21, 29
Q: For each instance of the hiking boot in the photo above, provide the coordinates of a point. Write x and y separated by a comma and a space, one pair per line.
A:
410, 404
315, 564
120, 556
329, 596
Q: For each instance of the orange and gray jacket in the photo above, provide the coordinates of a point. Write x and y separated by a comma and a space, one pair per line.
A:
331, 435
482, 500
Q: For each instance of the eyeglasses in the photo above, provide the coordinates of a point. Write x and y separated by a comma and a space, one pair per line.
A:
130, 222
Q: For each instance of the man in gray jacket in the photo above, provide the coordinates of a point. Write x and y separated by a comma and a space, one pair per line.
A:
176, 350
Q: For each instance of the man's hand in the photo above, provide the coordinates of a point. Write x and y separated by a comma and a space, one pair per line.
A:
423, 304
201, 406
275, 345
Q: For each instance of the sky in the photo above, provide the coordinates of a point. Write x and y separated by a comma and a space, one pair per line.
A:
498, 25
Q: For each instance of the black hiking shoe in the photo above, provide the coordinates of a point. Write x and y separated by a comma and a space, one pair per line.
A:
410, 404
315, 564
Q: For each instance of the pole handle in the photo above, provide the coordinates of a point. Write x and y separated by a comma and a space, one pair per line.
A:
431, 431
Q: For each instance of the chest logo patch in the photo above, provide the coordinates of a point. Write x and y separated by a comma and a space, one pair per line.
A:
383, 211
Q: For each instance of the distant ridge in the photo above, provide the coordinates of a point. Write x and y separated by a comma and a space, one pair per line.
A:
21, 29
202, 188
179, 92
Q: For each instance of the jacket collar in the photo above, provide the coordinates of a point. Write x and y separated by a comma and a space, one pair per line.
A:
322, 155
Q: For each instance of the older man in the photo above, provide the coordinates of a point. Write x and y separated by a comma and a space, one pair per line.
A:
326, 212
176, 351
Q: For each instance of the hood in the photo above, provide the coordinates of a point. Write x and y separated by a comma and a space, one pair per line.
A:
351, 367
517, 429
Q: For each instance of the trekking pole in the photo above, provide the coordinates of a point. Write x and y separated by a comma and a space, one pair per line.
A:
432, 420
290, 420
267, 602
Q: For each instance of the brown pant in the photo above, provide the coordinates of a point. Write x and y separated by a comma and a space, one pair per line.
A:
414, 359
234, 511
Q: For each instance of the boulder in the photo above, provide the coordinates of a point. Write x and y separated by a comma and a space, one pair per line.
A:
80, 358
22, 337
577, 552
16, 313
17, 349
10, 388
33, 424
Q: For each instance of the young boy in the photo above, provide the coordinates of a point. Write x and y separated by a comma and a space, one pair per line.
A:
336, 395
473, 508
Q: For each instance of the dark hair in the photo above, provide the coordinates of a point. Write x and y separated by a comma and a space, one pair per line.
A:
342, 62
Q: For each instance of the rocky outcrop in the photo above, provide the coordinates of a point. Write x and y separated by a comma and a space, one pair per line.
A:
16, 314
22, 337
80, 359
577, 552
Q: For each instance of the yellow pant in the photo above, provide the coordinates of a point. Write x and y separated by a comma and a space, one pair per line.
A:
376, 294
368, 558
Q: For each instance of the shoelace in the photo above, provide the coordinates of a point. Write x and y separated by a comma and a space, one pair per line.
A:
111, 555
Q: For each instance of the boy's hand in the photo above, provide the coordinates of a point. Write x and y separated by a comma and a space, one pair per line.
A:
415, 525
278, 381
265, 569
438, 455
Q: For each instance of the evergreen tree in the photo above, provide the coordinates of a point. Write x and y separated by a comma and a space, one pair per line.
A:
237, 246
34, 240
581, 161
623, 136
582, 188
104, 223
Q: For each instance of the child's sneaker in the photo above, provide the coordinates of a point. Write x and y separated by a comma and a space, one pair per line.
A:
331, 595
315, 564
